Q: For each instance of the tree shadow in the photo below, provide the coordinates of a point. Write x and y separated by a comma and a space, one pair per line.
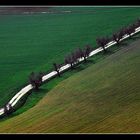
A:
90, 61
77, 68
123, 44
39, 90
107, 52
23, 100
21, 103
134, 38
83, 65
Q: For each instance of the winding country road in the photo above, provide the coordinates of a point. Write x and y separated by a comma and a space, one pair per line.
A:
29, 87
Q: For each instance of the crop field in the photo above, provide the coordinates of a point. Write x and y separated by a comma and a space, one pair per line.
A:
103, 98
32, 42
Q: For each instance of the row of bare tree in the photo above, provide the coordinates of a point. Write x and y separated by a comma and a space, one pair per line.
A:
73, 58
117, 36
36, 78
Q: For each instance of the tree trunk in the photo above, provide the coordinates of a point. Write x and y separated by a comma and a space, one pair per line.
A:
118, 42
71, 65
58, 73
104, 49
130, 36
36, 87
85, 60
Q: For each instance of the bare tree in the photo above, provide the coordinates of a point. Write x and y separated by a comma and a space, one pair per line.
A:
116, 38
79, 53
68, 60
102, 42
36, 80
5, 110
57, 68
8, 109
74, 57
88, 50
130, 29
119, 35
84, 55
31, 78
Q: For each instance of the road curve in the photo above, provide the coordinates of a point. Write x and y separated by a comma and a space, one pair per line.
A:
29, 87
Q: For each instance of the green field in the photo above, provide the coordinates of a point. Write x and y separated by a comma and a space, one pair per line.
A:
102, 98
33, 42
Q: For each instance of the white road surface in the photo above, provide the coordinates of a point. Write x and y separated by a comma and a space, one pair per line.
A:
29, 87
